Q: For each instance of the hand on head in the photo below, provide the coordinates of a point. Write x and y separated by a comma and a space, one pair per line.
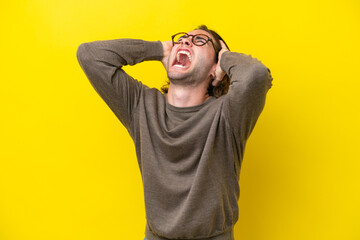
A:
167, 46
219, 73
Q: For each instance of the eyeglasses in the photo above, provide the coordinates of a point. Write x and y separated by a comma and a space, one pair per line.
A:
197, 39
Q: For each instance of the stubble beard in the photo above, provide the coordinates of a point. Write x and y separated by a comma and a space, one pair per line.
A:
192, 78
187, 81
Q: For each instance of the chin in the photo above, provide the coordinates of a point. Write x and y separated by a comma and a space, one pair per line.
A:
178, 74
177, 78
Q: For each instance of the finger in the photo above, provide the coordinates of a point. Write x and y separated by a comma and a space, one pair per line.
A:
215, 82
219, 77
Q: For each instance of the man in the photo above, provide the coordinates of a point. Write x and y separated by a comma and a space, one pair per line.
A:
189, 140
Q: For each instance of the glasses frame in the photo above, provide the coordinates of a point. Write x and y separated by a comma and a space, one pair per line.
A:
192, 39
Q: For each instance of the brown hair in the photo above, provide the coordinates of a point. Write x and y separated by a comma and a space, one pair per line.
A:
223, 86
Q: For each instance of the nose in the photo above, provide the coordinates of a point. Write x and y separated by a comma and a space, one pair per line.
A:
187, 41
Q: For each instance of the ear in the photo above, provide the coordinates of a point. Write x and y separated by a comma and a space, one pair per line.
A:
213, 71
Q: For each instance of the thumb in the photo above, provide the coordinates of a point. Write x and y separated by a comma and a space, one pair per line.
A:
219, 75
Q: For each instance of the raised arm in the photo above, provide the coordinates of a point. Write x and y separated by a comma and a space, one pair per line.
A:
102, 63
250, 81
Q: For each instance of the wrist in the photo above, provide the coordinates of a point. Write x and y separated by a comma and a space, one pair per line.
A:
167, 46
152, 50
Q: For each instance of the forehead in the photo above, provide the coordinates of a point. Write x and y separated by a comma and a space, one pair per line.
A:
199, 31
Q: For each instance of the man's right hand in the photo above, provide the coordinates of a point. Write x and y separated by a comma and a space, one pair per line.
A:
167, 46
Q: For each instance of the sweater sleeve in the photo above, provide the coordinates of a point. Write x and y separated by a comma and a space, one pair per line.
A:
250, 81
102, 63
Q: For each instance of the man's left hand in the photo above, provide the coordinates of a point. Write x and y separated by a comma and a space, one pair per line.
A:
219, 73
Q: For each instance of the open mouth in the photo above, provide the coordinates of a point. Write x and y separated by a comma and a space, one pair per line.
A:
183, 59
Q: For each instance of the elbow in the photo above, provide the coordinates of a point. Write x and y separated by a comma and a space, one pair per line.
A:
258, 70
261, 75
81, 52
84, 54
86, 59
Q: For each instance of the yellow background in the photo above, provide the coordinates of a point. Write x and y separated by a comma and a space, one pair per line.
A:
68, 168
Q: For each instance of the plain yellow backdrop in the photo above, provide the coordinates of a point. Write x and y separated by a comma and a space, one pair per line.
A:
68, 168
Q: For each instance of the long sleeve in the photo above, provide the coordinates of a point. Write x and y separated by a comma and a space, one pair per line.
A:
102, 63
250, 81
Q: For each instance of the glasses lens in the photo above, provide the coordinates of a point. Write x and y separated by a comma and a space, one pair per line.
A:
197, 39
200, 39
179, 37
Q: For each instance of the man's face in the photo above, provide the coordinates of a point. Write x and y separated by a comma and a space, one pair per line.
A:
190, 64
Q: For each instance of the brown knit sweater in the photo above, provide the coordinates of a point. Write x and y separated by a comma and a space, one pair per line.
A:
190, 157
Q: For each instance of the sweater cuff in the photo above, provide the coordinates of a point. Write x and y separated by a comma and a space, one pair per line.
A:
153, 50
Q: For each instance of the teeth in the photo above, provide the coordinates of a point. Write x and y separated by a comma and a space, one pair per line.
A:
178, 65
182, 52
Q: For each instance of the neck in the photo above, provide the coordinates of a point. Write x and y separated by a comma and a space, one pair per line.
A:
186, 96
